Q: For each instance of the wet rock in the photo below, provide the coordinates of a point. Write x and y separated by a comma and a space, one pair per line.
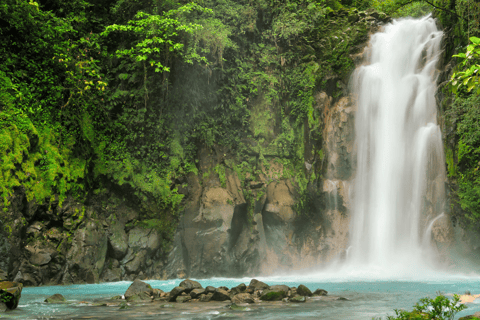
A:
206, 297
189, 285
304, 291
137, 287
238, 289
243, 298
141, 296
157, 293
235, 307
223, 288
220, 295
56, 298
280, 287
210, 289
183, 299
11, 292
297, 299
196, 293
320, 292
175, 293
258, 285
270, 295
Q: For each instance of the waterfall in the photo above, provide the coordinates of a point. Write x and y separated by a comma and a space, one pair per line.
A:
399, 146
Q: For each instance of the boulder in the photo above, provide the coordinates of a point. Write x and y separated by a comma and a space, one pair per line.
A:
238, 289
320, 292
243, 298
220, 295
157, 293
258, 285
280, 287
210, 289
175, 293
304, 291
206, 297
196, 293
137, 287
56, 298
140, 296
11, 293
298, 299
271, 295
182, 299
189, 285
3, 307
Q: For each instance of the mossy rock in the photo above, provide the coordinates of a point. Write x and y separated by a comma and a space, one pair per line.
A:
11, 293
273, 295
56, 298
236, 307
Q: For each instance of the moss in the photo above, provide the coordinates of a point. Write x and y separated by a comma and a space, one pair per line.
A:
273, 296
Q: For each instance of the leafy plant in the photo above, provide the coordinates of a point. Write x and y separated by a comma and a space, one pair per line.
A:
440, 308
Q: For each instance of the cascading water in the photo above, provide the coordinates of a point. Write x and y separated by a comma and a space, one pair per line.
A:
399, 147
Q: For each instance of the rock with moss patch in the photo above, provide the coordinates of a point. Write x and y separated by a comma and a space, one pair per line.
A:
236, 307
270, 295
11, 293
56, 298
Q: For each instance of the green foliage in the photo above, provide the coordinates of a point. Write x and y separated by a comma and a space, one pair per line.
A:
440, 308
467, 76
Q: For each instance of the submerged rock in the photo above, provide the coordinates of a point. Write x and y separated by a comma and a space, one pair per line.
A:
298, 299
56, 298
10, 293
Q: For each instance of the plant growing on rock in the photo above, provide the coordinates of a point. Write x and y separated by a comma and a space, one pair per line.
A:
440, 308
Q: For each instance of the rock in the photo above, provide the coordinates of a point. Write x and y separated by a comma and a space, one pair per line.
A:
112, 275
140, 296
86, 257
304, 291
56, 298
258, 285
210, 289
243, 298
117, 298
235, 307
189, 285
182, 299
238, 289
280, 287
3, 307
206, 297
12, 292
157, 293
118, 239
3, 275
320, 292
195, 293
223, 288
140, 238
298, 299
342, 299
175, 293
137, 287
270, 295
220, 295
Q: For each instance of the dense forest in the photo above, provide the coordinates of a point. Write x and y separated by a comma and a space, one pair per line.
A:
115, 99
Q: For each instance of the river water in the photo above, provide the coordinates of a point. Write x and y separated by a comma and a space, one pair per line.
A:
367, 299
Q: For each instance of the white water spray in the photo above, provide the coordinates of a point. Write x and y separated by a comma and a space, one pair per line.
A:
399, 147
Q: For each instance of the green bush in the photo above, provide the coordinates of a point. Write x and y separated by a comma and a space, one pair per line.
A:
440, 308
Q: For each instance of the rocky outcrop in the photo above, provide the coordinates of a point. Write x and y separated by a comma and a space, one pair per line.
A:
10, 294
